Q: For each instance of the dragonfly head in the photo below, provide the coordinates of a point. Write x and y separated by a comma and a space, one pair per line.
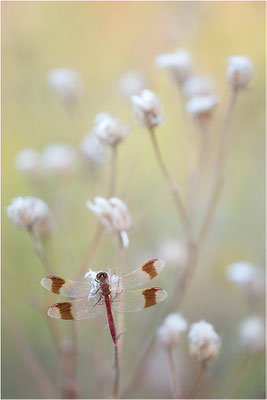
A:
101, 275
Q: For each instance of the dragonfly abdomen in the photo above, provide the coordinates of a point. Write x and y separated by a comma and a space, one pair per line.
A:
111, 320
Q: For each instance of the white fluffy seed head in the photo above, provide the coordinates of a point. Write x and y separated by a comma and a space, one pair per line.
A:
173, 252
201, 106
109, 129
65, 82
147, 109
30, 213
29, 162
169, 333
239, 72
93, 150
180, 64
204, 342
113, 214
247, 276
131, 83
59, 158
199, 85
252, 333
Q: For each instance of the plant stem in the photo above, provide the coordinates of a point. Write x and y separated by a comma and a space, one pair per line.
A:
121, 315
199, 379
218, 179
38, 373
172, 186
91, 250
174, 386
39, 250
193, 248
69, 355
115, 392
113, 172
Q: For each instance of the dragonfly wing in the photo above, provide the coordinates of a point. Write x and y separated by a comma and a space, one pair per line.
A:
136, 300
79, 309
66, 287
142, 275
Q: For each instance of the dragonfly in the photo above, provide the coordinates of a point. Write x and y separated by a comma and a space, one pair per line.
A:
105, 292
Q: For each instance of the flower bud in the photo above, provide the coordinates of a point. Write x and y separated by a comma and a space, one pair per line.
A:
201, 108
109, 130
65, 82
204, 342
180, 64
29, 162
239, 72
147, 109
170, 331
252, 333
30, 213
113, 214
247, 276
59, 158
93, 150
131, 83
199, 85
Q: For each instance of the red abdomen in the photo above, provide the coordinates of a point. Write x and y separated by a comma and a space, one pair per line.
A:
111, 320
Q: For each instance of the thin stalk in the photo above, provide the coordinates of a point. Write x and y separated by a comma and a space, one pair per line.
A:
218, 179
122, 254
69, 358
172, 186
39, 250
116, 385
93, 245
91, 250
38, 373
201, 375
113, 172
173, 382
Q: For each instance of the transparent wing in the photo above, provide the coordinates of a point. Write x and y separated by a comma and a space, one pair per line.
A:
141, 275
136, 300
66, 287
77, 309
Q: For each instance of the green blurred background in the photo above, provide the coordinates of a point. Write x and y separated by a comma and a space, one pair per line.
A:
102, 41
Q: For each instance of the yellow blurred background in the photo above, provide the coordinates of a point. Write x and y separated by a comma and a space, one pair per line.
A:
102, 41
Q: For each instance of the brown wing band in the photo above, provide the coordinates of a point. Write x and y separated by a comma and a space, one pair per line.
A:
150, 297
150, 269
57, 283
64, 310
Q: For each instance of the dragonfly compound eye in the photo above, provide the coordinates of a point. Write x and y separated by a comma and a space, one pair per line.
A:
101, 275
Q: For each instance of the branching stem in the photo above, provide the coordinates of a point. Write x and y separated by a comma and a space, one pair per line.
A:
172, 186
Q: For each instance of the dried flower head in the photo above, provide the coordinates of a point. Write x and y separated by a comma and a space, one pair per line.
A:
147, 109
204, 342
247, 276
30, 213
29, 162
65, 82
170, 331
131, 83
93, 150
201, 105
239, 72
59, 158
113, 214
109, 130
199, 85
180, 64
252, 333
173, 252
